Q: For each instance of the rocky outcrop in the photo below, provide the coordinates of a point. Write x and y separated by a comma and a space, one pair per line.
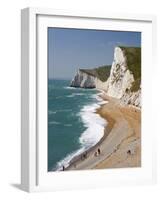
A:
132, 98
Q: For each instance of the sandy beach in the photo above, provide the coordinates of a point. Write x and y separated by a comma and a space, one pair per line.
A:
121, 143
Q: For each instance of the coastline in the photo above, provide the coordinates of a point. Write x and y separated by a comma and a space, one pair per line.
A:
120, 145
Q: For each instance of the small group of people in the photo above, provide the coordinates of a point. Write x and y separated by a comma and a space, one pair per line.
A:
97, 153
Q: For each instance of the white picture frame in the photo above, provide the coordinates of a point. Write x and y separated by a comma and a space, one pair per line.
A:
34, 22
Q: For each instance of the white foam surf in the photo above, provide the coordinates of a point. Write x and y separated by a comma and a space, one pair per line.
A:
65, 162
78, 88
69, 88
95, 126
75, 94
94, 130
56, 111
54, 122
50, 112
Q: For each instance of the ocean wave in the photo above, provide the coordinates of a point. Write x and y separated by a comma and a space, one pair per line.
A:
75, 94
102, 102
94, 123
99, 99
66, 161
69, 88
79, 88
54, 122
64, 110
50, 112
58, 123
67, 124
59, 97
94, 131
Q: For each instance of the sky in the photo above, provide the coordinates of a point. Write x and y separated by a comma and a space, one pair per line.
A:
71, 49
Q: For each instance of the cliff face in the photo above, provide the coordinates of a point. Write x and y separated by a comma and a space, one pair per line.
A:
92, 78
83, 80
132, 98
100, 85
120, 77
122, 80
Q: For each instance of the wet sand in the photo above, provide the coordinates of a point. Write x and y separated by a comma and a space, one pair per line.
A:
121, 143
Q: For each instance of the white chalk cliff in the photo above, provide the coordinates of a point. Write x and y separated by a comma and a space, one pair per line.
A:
83, 80
132, 98
118, 84
100, 85
121, 79
88, 79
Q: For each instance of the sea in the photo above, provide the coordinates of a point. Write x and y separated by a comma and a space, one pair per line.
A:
73, 124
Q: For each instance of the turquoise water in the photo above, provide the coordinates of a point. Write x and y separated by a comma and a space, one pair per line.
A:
73, 125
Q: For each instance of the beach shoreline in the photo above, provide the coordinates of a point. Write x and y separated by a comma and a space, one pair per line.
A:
121, 144
107, 130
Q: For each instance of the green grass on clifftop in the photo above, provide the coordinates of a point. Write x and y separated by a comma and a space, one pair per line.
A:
133, 55
101, 72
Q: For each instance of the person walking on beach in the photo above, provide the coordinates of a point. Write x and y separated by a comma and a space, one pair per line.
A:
99, 151
63, 168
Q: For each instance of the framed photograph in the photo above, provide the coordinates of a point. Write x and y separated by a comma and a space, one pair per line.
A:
86, 101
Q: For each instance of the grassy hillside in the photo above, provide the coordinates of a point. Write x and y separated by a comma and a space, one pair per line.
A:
101, 72
133, 55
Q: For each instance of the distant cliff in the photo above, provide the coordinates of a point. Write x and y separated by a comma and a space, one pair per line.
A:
122, 80
92, 78
83, 80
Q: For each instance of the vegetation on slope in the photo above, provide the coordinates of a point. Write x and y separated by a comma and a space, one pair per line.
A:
133, 55
101, 72
90, 72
